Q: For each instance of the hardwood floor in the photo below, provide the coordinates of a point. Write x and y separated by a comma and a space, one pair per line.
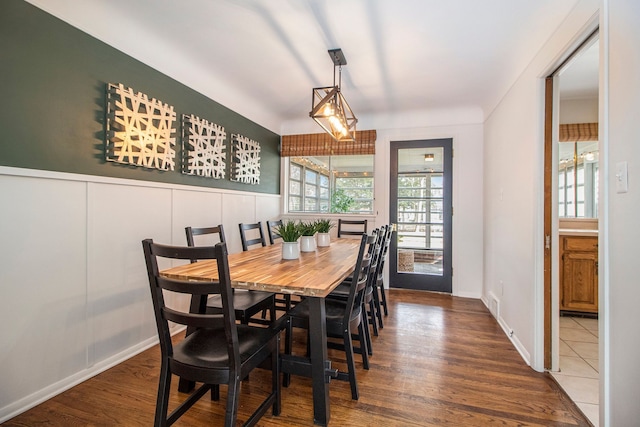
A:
439, 360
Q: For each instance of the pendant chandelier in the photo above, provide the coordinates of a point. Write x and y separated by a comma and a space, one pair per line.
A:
329, 108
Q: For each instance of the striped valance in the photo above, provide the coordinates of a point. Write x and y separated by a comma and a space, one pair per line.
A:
573, 132
322, 144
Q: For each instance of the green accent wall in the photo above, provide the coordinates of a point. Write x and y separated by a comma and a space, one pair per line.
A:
53, 80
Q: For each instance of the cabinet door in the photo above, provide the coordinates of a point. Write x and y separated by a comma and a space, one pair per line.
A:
580, 281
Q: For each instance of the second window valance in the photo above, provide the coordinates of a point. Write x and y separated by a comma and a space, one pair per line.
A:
321, 144
573, 132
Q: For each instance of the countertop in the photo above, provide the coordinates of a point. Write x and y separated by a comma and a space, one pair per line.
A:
577, 232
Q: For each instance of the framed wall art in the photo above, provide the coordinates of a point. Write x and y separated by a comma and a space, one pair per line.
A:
140, 131
203, 148
245, 160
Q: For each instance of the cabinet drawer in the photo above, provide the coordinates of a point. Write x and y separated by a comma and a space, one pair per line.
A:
578, 243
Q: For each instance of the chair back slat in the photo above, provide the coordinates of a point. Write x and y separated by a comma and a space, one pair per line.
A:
272, 234
195, 320
246, 242
354, 227
189, 287
384, 250
203, 231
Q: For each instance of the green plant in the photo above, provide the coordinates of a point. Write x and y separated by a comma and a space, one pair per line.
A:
324, 225
289, 231
341, 201
307, 228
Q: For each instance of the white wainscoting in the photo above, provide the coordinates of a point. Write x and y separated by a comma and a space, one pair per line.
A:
75, 298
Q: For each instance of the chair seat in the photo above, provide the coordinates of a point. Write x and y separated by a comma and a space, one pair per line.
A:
207, 348
243, 300
341, 291
334, 309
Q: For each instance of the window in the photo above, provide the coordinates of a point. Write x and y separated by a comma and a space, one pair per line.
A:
578, 183
331, 184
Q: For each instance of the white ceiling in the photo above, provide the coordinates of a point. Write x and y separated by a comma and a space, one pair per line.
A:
262, 57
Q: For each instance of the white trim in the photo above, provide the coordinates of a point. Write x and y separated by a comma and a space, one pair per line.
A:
509, 332
474, 295
66, 176
605, 308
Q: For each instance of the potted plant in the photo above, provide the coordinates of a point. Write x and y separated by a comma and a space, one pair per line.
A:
307, 240
323, 226
290, 233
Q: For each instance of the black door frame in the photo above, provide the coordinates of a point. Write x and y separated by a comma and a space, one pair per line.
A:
423, 281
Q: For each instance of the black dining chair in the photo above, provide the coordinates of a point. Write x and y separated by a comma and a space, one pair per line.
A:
218, 350
344, 318
351, 227
372, 296
245, 303
369, 311
246, 241
273, 236
380, 294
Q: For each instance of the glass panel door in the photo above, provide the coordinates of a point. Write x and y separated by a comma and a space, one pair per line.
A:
420, 203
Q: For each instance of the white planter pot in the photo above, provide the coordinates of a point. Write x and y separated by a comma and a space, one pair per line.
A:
324, 239
307, 244
290, 250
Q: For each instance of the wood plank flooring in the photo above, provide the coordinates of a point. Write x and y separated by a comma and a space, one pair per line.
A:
439, 360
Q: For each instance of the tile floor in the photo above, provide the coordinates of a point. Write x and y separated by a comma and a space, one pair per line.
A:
578, 374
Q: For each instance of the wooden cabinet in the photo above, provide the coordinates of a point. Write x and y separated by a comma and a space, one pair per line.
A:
579, 273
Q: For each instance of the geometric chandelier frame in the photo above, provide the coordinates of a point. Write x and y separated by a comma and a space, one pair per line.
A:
330, 109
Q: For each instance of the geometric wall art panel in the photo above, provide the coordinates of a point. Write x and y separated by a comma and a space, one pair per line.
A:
203, 147
140, 131
245, 160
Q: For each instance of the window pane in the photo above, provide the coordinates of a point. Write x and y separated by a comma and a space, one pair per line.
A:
294, 204
310, 204
310, 190
324, 180
294, 188
310, 176
363, 206
412, 192
295, 171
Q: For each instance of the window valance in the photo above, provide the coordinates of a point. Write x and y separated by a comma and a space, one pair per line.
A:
321, 144
573, 132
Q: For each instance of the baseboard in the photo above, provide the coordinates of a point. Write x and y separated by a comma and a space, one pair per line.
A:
474, 295
515, 341
493, 304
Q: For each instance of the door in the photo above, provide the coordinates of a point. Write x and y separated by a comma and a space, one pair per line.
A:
579, 274
421, 207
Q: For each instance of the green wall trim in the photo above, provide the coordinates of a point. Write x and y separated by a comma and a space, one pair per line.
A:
53, 103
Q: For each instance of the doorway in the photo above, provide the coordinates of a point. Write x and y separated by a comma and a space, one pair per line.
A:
571, 224
421, 207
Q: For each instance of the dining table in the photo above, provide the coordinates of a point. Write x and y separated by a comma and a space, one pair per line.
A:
312, 275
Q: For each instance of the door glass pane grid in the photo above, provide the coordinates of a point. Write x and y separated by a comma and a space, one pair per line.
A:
420, 223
